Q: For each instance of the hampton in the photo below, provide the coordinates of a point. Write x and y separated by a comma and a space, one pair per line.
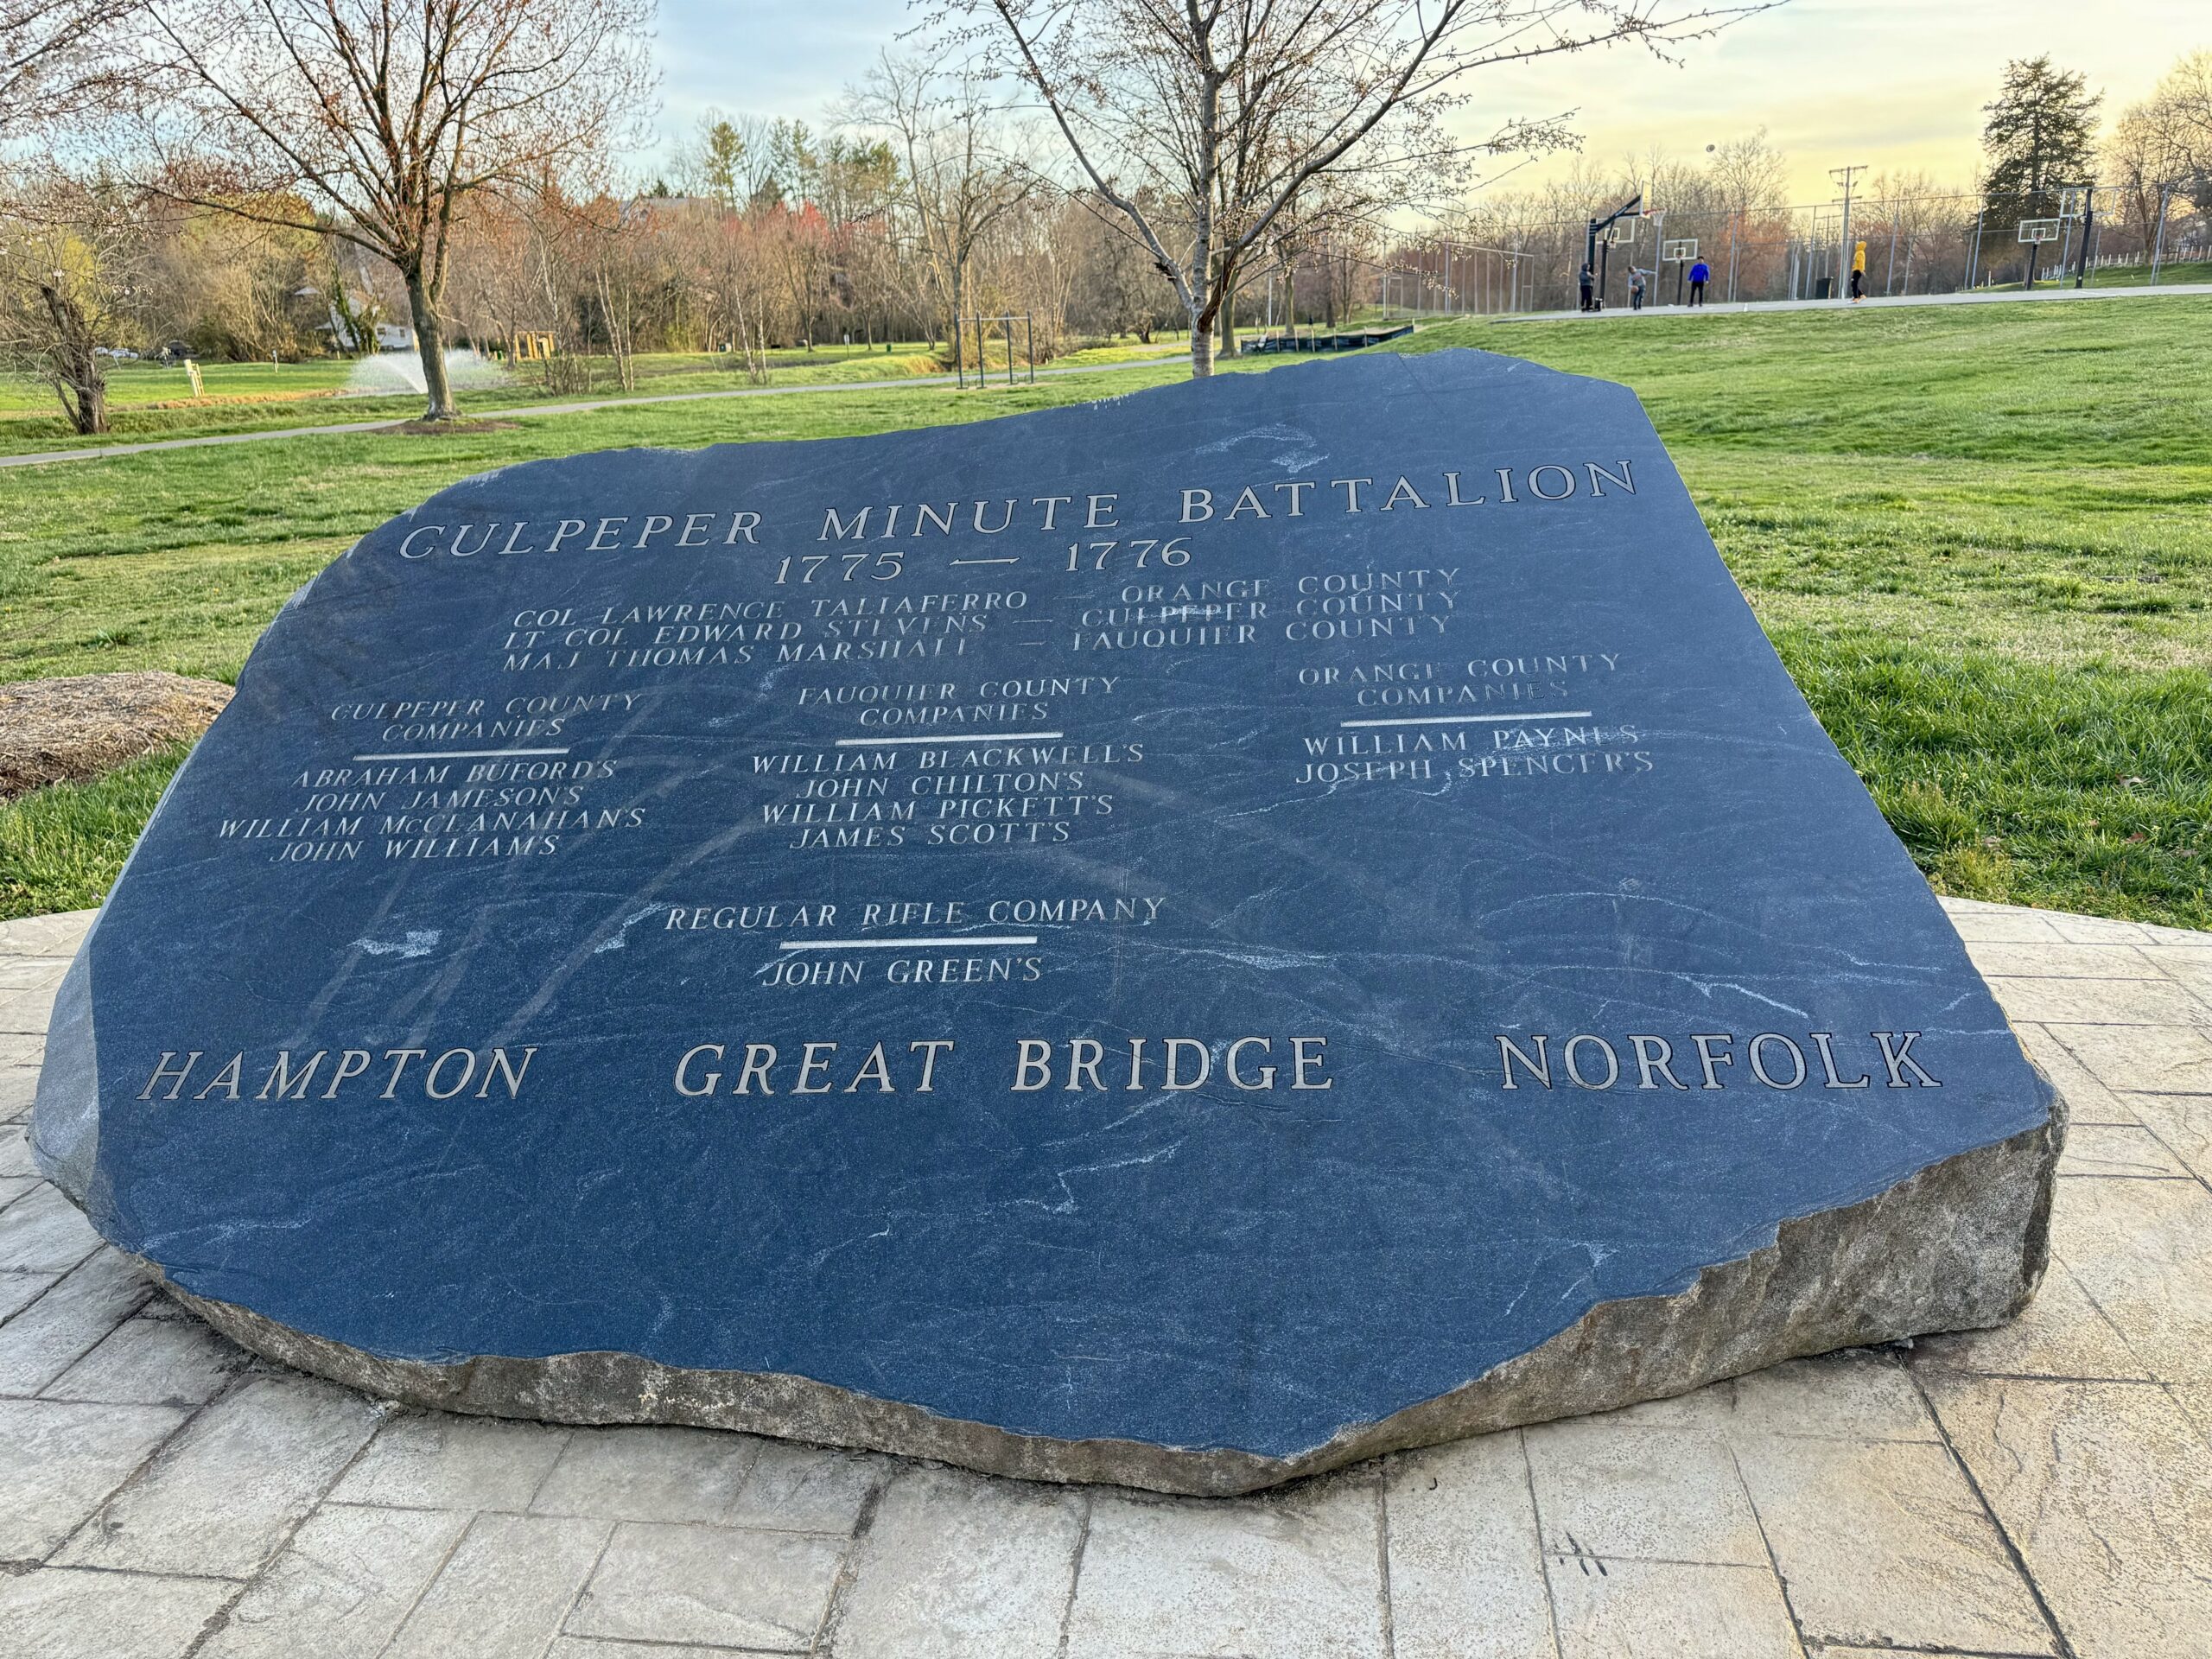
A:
290, 1078
1770, 1058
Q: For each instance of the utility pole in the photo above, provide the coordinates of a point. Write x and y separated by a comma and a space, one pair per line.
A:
2159, 249
1844, 176
2089, 226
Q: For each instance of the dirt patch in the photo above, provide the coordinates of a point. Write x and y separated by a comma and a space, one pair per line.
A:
238, 399
448, 428
66, 730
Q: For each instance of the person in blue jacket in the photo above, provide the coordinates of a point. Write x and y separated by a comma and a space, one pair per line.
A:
1700, 274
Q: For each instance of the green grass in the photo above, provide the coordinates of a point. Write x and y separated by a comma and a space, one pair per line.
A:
1981, 540
149, 402
1980, 537
61, 847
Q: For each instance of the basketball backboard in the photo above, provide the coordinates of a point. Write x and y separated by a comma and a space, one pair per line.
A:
2039, 230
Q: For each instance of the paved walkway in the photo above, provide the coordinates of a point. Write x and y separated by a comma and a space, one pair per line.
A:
2045, 1489
1873, 303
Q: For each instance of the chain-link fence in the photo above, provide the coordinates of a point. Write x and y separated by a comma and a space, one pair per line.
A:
2085, 236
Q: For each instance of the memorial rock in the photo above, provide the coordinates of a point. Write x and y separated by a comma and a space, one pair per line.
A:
1184, 940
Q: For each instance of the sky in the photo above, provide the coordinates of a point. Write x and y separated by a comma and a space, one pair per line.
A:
1889, 83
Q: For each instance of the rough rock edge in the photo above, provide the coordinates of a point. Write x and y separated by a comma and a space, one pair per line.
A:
1960, 1245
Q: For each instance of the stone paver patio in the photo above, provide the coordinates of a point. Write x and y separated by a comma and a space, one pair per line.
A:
2045, 1489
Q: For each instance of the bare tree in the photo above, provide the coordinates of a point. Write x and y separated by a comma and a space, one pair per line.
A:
957, 177
1229, 108
69, 250
57, 57
2162, 147
386, 118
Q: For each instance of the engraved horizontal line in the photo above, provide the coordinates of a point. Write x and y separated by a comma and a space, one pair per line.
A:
458, 754
1471, 720
986, 561
956, 737
902, 944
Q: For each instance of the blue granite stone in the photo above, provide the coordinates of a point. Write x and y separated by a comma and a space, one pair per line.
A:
1382, 743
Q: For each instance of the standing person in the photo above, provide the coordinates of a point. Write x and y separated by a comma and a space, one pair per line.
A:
1589, 281
1635, 291
1700, 274
1858, 285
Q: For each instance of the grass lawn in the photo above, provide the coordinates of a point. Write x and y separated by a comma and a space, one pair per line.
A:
1979, 536
148, 401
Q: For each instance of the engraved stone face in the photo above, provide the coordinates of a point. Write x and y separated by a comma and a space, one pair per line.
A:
1184, 940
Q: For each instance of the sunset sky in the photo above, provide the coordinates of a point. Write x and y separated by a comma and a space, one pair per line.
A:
1890, 83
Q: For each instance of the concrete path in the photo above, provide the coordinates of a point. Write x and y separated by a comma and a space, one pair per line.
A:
2045, 1489
106, 451
1873, 302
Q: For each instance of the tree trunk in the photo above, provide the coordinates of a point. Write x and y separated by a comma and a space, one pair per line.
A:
79, 376
431, 343
1201, 348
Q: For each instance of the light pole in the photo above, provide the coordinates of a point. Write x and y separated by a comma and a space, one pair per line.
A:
1845, 175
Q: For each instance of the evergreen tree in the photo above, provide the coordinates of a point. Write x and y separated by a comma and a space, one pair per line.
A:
2041, 137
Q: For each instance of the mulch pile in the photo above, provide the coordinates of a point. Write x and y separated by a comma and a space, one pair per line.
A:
60, 731
459, 429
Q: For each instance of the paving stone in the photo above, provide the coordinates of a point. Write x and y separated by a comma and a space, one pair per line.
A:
1880, 1541
1292, 1577
434, 1460
2100, 1001
54, 1333
19, 1290
956, 1567
2106, 1491
152, 1361
16, 1154
2097, 930
2192, 966
1627, 1493
2141, 1249
2119, 1149
13, 1187
506, 1590
804, 1489
2062, 961
2061, 1333
2154, 1060
2087, 1101
2182, 1122
51, 1614
341, 1587
19, 1068
44, 1232
223, 1495
2195, 1399
580, 1647
1466, 1570
1669, 1610
649, 1474
59, 1461
729, 1587
1858, 1395
2005, 927
27, 1012
29, 973
56, 934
